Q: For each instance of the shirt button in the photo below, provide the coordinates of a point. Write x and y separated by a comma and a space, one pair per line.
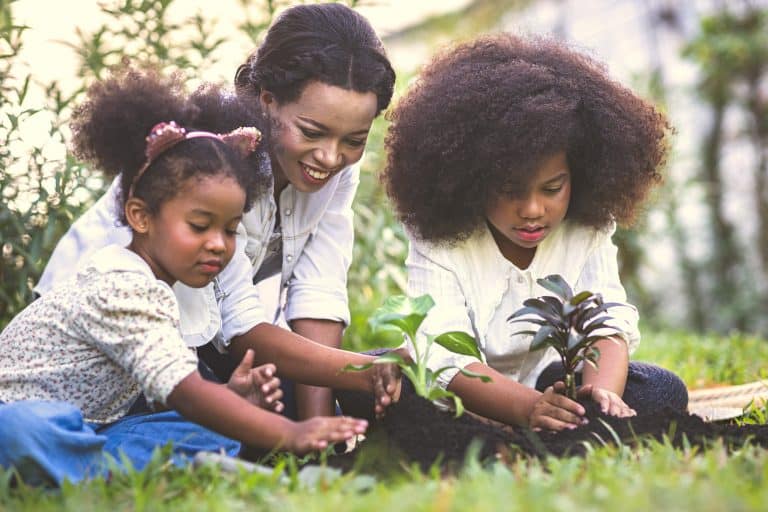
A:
289, 258
520, 279
288, 212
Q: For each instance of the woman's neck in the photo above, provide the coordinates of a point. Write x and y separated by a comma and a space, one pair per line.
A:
280, 182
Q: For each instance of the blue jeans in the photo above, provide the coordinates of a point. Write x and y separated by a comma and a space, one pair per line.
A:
48, 442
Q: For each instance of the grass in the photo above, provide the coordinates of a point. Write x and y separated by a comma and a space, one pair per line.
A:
703, 360
652, 477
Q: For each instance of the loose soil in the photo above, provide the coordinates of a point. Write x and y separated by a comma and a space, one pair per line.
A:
416, 432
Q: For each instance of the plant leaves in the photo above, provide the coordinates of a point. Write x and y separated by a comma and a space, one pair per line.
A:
459, 342
403, 312
390, 358
542, 338
557, 285
581, 297
438, 393
356, 367
475, 375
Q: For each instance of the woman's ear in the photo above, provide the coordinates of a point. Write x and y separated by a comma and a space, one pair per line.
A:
137, 215
267, 100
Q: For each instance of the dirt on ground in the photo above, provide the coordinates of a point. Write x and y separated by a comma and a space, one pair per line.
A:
417, 432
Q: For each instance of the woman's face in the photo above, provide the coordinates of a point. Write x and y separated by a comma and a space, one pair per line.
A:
318, 135
521, 219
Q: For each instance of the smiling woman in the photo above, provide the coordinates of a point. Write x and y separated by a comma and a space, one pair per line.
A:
318, 135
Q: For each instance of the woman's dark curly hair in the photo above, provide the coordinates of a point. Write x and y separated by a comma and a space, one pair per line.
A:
328, 43
484, 114
110, 129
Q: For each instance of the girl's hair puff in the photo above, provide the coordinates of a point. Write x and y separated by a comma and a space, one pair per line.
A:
484, 114
110, 129
328, 43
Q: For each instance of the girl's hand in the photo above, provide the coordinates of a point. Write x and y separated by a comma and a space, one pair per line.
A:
610, 403
386, 380
555, 411
318, 432
257, 385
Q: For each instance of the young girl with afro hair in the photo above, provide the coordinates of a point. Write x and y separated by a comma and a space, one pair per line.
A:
511, 159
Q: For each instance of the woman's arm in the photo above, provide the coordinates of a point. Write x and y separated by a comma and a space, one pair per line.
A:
313, 400
307, 362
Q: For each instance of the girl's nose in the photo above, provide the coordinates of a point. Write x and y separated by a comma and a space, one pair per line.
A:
216, 243
531, 207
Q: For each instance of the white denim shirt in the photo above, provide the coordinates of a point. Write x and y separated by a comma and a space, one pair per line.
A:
476, 290
318, 235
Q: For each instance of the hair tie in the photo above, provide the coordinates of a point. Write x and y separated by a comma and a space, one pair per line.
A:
163, 136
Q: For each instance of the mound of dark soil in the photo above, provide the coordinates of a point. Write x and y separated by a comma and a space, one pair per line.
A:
418, 432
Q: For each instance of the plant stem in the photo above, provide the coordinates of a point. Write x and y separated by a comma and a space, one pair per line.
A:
570, 385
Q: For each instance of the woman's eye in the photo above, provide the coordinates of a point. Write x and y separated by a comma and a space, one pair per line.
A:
356, 143
231, 232
310, 134
197, 228
553, 190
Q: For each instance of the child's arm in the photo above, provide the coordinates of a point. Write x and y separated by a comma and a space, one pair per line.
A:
513, 403
219, 409
605, 385
257, 385
305, 361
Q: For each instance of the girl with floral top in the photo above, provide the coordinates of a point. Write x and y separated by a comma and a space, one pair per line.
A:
321, 76
76, 359
511, 159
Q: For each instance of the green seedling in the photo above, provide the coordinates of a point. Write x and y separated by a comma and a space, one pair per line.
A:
398, 320
568, 323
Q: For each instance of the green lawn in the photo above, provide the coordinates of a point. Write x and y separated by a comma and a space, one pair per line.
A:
652, 477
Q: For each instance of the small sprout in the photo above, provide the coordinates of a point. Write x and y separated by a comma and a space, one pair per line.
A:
399, 320
570, 323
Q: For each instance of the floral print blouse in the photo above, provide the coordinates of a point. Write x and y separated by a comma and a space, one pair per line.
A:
98, 340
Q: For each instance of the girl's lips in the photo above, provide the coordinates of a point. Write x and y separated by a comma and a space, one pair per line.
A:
531, 235
211, 267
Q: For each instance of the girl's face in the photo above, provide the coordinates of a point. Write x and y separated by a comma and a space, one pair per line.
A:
319, 134
192, 237
521, 219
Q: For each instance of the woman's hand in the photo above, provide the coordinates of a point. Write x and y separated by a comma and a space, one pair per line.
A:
257, 385
554, 411
318, 432
386, 381
610, 403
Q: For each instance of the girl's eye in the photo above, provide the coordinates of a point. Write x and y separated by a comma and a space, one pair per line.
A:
553, 190
231, 232
197, 228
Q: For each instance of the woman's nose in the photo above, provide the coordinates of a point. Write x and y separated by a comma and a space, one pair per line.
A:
329, 156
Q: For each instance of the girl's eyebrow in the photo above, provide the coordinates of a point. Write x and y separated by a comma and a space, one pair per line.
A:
559, 177
207, 213
321, 126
